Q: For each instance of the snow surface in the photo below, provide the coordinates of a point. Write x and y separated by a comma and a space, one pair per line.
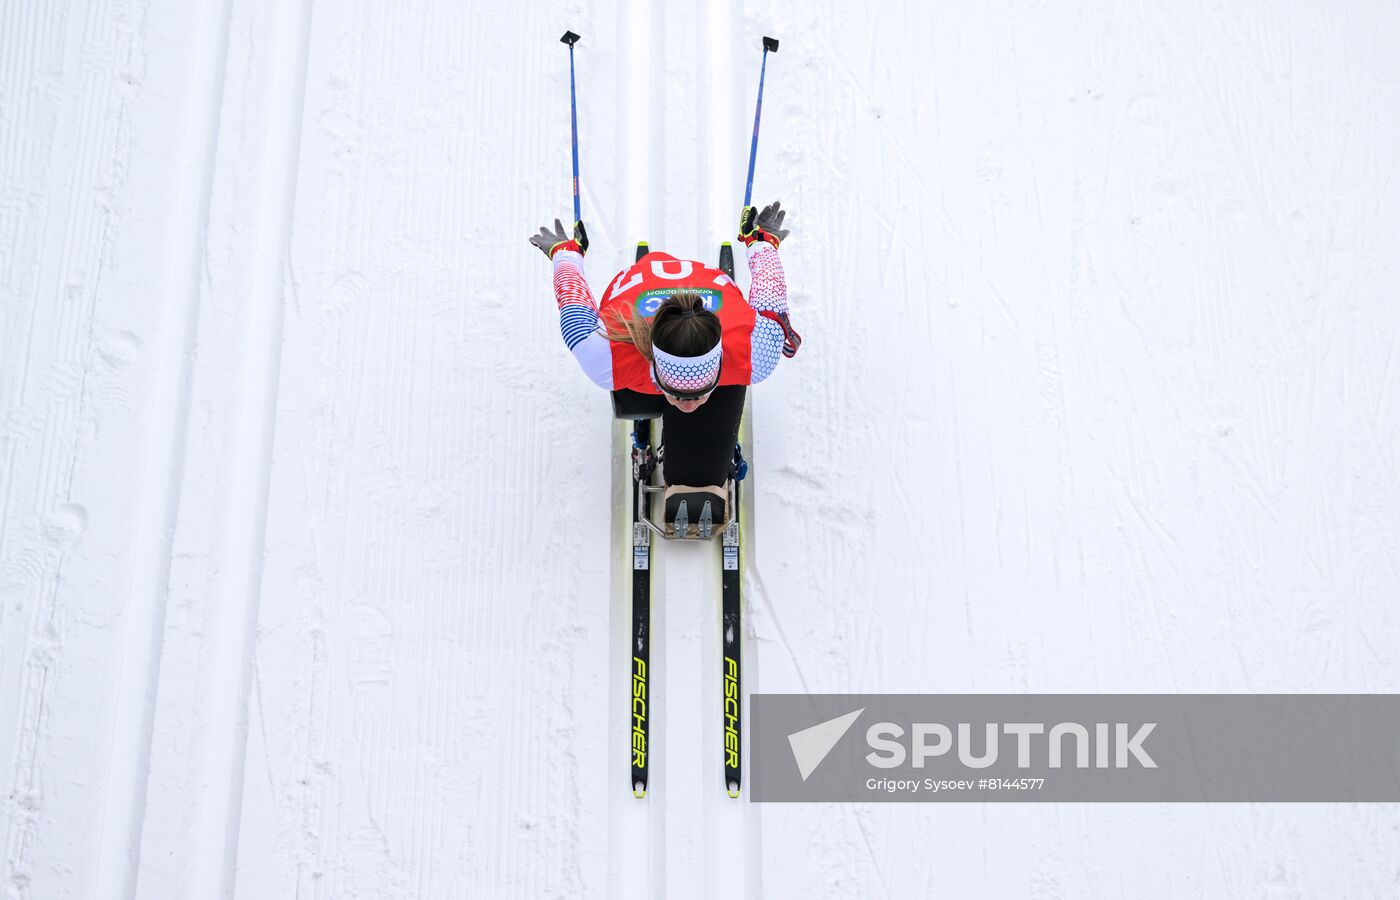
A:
304, 559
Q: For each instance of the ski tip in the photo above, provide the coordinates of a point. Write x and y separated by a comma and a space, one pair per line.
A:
639, 794
768, 43
570, 38
734, 791
724, 244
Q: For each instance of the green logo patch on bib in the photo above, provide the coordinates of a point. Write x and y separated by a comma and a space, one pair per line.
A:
648, 302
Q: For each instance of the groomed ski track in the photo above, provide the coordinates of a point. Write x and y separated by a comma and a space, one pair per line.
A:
679, 177
308, 580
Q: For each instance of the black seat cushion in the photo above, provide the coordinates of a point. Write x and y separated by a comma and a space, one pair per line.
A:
629, 404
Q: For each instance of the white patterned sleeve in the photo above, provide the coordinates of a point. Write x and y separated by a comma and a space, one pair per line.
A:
767, 292
578, 319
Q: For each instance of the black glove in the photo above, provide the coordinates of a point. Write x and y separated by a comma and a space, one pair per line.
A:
763, 225
551, 242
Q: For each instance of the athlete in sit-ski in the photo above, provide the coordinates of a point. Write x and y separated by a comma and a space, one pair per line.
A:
682, 329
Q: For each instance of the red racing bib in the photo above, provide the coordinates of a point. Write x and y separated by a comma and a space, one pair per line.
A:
641, 289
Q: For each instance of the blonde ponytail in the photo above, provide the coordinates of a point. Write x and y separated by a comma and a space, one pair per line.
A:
625, 327
679, 333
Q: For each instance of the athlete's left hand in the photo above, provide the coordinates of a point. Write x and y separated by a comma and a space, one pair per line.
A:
763, 225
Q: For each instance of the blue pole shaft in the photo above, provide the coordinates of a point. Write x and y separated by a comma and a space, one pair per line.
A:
757, 114
573, 114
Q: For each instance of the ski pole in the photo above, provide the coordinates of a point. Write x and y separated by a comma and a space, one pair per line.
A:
768, 44
570, 38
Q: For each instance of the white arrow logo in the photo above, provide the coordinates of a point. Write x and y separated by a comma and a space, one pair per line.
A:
811, 745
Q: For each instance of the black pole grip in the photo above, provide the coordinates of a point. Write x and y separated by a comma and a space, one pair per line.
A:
570, 38
768, 43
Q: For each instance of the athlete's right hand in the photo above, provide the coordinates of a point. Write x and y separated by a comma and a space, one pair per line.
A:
551, 242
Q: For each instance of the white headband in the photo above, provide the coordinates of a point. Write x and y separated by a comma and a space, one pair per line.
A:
687, 373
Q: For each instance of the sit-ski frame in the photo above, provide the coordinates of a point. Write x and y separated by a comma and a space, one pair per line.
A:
705, 528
